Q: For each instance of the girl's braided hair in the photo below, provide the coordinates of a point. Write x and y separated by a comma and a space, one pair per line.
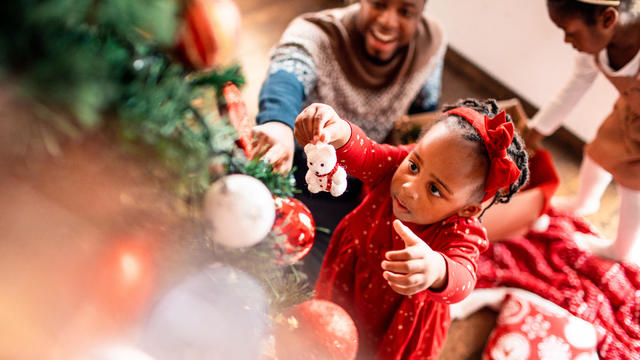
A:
516, 151
590, 12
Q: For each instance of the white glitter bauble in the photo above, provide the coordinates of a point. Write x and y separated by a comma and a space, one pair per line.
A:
116, 352
240, 211
217, 313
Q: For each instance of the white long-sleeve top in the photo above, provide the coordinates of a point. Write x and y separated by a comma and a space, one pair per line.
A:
584, 73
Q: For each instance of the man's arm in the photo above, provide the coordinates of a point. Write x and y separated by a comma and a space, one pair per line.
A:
291, 76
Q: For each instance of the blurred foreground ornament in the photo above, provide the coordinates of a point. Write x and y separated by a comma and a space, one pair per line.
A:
116, 352
210, 33
125, 277
240, 211
295, 222
316, 330
218, 313
114, 287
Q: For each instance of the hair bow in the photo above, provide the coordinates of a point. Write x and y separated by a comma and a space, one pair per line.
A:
497, 134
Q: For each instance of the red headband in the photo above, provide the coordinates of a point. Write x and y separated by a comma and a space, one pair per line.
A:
497, 134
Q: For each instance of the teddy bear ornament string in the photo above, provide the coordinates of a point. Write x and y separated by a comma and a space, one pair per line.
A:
324, 174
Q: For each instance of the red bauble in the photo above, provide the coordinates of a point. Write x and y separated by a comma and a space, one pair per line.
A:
295, 222
210, 33
316, 330
124, 276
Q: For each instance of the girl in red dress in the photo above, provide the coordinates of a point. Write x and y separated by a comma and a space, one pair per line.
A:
410, 248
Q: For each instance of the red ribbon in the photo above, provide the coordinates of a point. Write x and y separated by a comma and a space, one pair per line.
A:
329, 175
497, 134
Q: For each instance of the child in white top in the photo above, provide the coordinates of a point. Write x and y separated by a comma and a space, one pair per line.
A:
607, 33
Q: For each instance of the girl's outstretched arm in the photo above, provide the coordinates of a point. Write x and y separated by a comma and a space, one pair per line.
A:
416, 267
419, 267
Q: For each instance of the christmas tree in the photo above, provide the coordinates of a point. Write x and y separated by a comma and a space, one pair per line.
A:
130, 199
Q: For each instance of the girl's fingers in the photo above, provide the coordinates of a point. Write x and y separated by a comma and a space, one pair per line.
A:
409, 253
335, 131
301, 138
404, 267
313, 124
406, 234
316, 124
302, 124
404, 280
322, 117
306, 135
405, 290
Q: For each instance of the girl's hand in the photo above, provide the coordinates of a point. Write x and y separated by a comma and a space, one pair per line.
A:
414, 268
319, 122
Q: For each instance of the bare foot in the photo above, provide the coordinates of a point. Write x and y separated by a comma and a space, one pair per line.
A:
607, 249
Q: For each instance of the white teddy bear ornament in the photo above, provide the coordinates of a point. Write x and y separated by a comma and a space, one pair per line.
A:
324, 174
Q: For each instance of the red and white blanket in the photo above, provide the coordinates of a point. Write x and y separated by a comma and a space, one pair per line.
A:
550, 264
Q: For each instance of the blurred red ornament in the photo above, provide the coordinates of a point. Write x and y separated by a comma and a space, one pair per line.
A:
316, 329
295, 222
210, 33
124, 277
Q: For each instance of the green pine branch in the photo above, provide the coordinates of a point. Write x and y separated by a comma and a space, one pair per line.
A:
92, 66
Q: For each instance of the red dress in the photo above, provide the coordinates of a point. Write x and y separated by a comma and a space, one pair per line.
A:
390, 325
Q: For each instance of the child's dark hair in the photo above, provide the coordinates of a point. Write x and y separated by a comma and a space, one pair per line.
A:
588, 12
516, 150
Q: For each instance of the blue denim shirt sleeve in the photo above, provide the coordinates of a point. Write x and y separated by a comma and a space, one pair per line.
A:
281, 98
291, 75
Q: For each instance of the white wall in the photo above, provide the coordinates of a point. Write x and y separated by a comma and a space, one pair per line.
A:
515, 42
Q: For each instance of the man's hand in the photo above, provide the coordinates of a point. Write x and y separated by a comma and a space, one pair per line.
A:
414, 268
273, 141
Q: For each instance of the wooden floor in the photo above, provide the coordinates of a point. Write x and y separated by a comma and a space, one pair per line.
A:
263, 23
